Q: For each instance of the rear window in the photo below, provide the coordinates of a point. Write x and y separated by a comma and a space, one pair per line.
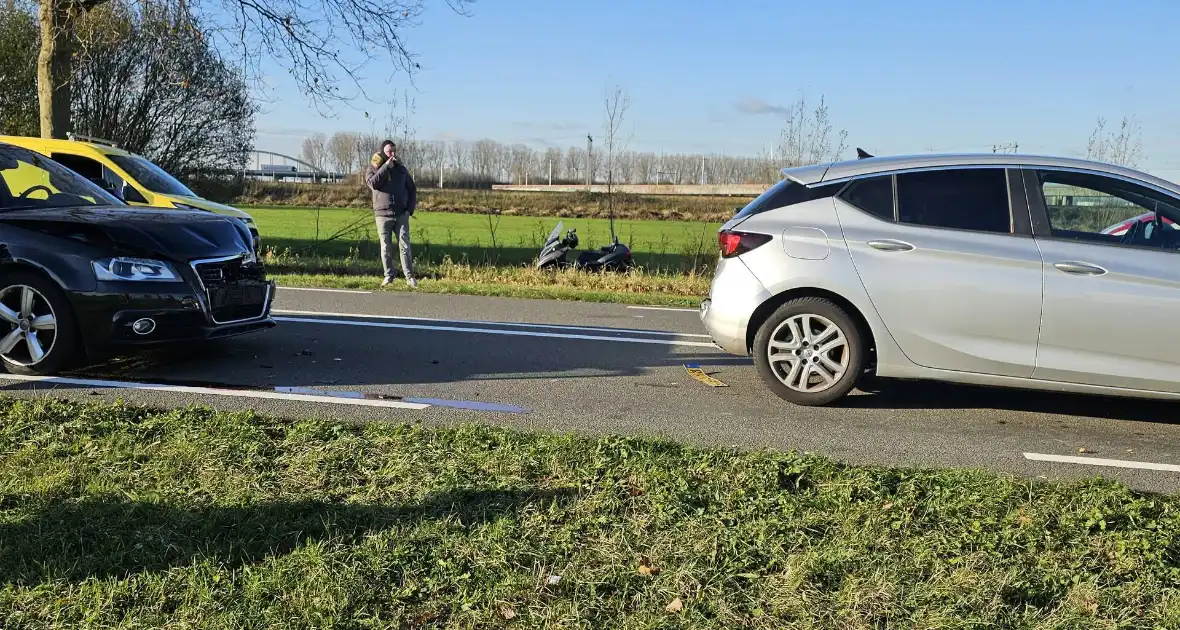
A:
785, 193
873, 195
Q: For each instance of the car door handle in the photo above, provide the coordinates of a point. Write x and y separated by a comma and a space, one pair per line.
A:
891, 246
1079, 269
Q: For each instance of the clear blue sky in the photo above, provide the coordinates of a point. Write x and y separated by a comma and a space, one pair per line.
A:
907, 76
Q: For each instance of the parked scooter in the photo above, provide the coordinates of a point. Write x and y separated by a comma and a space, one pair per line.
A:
556, 254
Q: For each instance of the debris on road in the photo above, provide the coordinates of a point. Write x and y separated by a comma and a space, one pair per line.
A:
696, 372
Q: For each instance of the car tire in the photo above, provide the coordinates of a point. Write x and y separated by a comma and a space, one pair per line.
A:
64, 349
850, 357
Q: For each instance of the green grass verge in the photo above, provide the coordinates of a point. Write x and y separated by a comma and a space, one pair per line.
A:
659, 246
639, 289
112, 516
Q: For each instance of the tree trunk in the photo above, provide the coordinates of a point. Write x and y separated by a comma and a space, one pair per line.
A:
53, 67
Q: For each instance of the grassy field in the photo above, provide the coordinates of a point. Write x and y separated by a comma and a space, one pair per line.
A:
508, 203
658, 246
113, 516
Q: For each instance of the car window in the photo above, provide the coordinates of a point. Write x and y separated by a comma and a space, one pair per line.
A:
30, 180
965, 199
874, 195
151, 176
83, 166
1109, 210
785, 193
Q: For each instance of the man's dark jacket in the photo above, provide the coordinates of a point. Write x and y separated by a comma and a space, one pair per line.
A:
393, 188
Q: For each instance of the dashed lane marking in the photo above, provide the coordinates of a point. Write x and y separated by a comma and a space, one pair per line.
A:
599, 329
494, 331
214, 391
1098, 461
357, 291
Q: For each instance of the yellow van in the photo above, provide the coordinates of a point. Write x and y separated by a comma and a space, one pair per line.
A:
131, 177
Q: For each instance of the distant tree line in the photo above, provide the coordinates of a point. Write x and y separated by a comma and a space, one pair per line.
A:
806, 137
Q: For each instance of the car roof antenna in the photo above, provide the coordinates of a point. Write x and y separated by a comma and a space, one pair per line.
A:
862, 154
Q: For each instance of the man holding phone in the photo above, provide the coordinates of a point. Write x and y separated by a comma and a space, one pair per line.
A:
394, 198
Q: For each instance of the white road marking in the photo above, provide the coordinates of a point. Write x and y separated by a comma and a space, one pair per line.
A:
493, 331
326, 290
1098, 461
603, 329
664, 308
212, 391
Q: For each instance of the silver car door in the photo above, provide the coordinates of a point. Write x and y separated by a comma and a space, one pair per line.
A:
955, 279
1112, 280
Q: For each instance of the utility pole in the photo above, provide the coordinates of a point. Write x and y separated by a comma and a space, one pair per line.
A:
589, 162
550, 172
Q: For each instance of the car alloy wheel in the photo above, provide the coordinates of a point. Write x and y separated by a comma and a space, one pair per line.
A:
808, 353
41, 337
32, 325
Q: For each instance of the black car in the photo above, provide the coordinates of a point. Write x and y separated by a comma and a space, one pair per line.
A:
84, 275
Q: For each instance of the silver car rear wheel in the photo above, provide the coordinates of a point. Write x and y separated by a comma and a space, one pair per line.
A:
808, 353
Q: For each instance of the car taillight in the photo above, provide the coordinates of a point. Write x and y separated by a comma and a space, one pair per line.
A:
737, 243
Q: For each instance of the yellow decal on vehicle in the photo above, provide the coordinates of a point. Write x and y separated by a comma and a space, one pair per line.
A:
696, 372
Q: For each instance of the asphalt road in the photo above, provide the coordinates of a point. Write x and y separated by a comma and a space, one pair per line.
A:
598, 368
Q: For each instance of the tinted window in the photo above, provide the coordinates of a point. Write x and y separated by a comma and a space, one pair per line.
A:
1109, 210
151, 176
30, 180
786, 193
874, 195
964, 199
83, 166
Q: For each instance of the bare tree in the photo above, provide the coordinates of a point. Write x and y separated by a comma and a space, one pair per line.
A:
617, 102
144, 81
807, 137
1123, 147
315, 150
342, 151
311, 38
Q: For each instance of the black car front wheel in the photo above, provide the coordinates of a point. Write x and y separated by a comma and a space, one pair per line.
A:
38, 335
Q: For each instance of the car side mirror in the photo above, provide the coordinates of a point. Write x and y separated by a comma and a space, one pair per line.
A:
131, 195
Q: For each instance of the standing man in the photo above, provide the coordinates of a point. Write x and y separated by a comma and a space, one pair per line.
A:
394, 199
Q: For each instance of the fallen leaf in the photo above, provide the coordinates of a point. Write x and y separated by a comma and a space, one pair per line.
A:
675, 606
1024, 520
647, 568
1084, 450
507, 612
887, 505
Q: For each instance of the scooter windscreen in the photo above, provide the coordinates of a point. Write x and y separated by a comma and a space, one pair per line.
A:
555, 234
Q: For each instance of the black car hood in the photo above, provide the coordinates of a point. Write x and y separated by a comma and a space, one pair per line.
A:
179, 235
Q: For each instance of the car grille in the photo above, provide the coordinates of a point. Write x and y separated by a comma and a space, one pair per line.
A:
236, 290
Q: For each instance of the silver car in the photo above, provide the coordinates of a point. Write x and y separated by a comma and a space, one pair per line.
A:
995, 269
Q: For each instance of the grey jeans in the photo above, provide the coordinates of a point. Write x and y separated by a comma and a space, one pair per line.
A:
386, 226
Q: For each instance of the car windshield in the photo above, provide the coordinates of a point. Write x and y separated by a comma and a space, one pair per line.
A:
31, 180
151, 176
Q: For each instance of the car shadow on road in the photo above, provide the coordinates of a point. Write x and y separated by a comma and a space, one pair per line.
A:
886, 394
338, 356
114, 537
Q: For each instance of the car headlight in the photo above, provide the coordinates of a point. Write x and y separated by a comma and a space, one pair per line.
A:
123, 269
